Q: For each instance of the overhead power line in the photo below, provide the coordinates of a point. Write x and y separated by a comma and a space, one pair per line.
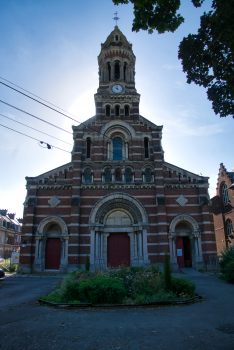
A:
31, 115
16, 121
21, 110
33, 138
77, 121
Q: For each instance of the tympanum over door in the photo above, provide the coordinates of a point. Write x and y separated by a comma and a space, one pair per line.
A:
118, 249
53, 254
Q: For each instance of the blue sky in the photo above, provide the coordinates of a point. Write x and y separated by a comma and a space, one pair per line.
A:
50, 48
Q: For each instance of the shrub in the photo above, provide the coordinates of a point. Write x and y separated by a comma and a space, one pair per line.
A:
7, 266
163, 295
167, 272
227, 264
183, 286
69, 289
87, 263
101, 289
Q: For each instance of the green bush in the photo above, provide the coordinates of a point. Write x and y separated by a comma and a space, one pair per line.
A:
163, 295
69, 289
6, 265
227, 264
183, 286
167, 272
101, 289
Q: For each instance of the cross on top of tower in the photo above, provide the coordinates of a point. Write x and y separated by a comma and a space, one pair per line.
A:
116, 18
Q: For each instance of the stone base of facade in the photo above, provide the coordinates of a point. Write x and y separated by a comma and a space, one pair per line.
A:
24, 268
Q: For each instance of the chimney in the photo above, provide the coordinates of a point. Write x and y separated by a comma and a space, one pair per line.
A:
3, 212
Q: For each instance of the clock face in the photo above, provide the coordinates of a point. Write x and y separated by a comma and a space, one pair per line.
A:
117, 89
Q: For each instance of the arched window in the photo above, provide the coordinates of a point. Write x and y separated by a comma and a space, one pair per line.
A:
118, 175
107, 110
229, 227
117, 148
147, 175
128, 175
88, 147
225, 194
126, 110
87, 175
117, 70
116, 37
146, 147
107, 175
117, 110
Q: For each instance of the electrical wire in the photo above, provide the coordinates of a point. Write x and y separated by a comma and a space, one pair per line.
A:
34, 128
33, 138
31, 115
77, 121
21, 110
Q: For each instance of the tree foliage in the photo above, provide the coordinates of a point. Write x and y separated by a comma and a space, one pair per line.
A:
160, 15
208, 56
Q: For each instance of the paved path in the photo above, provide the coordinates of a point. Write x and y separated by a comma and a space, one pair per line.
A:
26, 325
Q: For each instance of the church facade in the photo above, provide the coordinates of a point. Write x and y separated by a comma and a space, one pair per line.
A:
118, 201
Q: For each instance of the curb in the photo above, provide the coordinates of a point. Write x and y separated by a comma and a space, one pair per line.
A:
196, 298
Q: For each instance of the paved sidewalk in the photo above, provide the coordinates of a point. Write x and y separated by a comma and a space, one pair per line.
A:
205, 325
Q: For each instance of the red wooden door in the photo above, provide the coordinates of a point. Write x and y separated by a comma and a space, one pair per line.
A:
53, 254
118, 249
180, 251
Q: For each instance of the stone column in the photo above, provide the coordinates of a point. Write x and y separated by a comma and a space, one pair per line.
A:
199, 246
92, 247
123, 174
97, 244
135, 245
112, 71
37, 249
108, 150
172, 244
112, 175
133, 176
126, 150
121, 71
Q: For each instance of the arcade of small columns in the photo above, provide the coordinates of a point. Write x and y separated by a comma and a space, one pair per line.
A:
128, 76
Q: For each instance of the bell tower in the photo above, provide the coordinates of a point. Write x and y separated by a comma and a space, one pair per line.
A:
116, 95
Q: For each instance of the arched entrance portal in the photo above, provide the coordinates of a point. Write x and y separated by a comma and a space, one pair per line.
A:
118, 243
53, 248
118, 224
185, 243
51, 252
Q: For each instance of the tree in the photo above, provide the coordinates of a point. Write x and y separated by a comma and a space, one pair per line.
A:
207, 57
157, 15
167, 272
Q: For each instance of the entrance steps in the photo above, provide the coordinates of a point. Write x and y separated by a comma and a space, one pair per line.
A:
189, 271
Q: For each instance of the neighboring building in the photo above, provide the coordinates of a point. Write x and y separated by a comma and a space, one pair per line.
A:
223, 209
10, 234
118, 200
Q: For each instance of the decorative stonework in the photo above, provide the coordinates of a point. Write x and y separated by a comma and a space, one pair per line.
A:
54, 201
116, 204
50, 220
181, 200
187, 218
118, 200
114, 186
